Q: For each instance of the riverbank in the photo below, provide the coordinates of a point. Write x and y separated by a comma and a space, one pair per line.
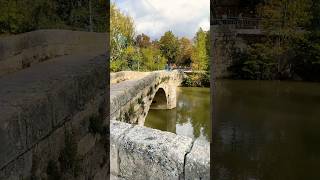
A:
196, 79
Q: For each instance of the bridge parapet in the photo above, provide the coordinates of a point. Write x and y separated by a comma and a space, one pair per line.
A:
139, 152
24, 50
126, 75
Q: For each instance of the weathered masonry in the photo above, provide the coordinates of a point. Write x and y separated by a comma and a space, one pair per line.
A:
132, 94
138, 152
53, 107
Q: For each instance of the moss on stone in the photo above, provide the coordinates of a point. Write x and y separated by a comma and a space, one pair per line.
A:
150, 92
140, 100
95, 124
131, 111
68, 158
53, 171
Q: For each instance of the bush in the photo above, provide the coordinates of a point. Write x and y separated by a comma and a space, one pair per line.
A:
197, 80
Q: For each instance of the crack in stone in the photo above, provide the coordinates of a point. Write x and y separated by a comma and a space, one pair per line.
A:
185, 159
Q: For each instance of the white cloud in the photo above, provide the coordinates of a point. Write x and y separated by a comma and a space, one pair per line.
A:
154, 17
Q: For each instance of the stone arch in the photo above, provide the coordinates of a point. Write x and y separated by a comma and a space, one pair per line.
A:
159, 100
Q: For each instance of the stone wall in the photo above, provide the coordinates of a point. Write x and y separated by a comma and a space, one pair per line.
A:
225, 40
23, 50
53, 119
139, 152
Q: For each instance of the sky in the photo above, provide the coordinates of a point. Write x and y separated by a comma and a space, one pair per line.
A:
155, 17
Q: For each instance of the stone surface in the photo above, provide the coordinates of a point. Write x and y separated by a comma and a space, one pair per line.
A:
24, 50
112, 177
126, 75
39, 104
197, 165
147, 153
38, 99
117, 130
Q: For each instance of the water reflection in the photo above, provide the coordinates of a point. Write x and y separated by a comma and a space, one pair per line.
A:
191, 117
267, 130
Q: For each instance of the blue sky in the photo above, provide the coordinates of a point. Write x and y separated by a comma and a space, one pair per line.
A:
154, 17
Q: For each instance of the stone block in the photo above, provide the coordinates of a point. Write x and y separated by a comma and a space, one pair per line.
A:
117, 129
147, 153
198, 161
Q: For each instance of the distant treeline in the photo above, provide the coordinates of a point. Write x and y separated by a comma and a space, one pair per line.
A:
130, 51
18, 16
290, 48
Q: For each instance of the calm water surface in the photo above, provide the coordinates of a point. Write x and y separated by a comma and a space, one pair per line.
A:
267, 130
191, 117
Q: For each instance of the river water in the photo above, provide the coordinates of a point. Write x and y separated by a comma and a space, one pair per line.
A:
191, 117
267, 130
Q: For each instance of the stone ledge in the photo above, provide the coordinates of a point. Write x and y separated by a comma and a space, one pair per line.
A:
23, 50
122, 93
139, 152
126, 75
36, 100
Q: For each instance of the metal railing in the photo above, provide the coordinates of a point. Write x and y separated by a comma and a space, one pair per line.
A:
238, 22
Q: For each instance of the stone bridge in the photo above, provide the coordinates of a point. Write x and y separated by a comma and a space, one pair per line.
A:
138, 152
132, 94
53, 90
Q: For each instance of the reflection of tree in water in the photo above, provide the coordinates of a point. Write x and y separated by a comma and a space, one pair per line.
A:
193, 110
264, 132
194, 105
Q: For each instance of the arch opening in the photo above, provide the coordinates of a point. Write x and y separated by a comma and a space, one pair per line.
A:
159, 100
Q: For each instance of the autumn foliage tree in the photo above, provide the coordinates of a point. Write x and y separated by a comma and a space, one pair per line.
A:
185, 51
143, 41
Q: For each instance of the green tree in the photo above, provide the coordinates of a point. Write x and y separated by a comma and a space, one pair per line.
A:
27, 15
283, 21
133, 58
152, 59
200, 56
122, 36
169, 46
306, 62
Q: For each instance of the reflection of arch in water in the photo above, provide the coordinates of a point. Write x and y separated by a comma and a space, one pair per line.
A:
160, 100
